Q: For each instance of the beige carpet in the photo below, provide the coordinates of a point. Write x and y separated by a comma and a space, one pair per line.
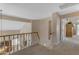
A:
41, 50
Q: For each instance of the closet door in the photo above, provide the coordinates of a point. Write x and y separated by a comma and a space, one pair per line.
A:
69, 29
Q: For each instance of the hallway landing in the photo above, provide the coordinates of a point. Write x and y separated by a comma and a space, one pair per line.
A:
41, 50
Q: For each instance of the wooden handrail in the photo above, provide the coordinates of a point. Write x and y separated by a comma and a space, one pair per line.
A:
19, 34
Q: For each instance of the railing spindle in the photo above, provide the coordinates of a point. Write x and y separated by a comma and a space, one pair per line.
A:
17, 41
26, 40
10, 48
13, 46
20, 41
4, 44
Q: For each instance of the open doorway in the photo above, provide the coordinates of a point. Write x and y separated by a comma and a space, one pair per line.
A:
70, 30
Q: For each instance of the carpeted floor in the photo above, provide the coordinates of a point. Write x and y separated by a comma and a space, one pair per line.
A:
41, 50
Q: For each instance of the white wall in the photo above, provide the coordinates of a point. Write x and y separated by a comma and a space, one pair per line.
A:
55, 29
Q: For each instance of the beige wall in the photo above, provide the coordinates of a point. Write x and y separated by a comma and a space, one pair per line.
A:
42, 27
35, 28
44, 33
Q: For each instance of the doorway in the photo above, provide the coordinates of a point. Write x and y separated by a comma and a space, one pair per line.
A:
70, 30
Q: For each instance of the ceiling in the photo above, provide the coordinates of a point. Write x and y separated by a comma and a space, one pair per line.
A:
31, 10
